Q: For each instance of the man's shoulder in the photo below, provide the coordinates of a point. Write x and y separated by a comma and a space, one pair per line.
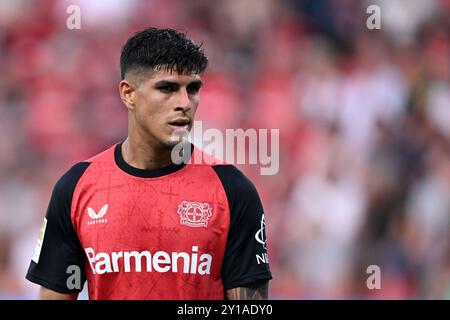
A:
71, 177
67, 182
223, 169
230, 172
235, 182
104, 156
203, 158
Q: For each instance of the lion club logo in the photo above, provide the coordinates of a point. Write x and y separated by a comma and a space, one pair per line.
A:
194, 214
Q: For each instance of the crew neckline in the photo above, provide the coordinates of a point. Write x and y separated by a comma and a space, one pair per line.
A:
144, 173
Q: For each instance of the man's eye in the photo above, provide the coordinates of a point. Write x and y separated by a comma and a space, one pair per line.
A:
167, 88
193, 89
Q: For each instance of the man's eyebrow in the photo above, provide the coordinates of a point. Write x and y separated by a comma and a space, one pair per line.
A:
166, 83
161, 83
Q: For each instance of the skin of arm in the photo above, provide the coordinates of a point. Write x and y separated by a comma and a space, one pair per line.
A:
47, 294
255, 291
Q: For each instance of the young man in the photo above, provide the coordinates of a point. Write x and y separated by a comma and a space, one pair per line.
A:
138, 226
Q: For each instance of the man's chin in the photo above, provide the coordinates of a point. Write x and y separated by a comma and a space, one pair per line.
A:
171, 143
177, 137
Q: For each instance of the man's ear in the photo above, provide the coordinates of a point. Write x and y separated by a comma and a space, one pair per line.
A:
127, 92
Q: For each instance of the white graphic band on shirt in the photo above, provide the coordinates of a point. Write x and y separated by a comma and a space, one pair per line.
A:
40, 240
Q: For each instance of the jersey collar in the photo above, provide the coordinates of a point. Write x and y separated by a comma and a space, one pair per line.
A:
144, 173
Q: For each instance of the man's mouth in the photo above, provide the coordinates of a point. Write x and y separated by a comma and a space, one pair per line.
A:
180, 123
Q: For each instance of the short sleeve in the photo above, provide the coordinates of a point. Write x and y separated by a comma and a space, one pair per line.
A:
58, 246
245, 260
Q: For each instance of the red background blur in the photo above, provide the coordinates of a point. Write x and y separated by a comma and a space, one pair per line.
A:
364, 119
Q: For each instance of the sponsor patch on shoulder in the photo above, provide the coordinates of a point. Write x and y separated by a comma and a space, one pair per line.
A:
40, 240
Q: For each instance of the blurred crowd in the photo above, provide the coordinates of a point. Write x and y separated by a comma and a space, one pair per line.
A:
364, 119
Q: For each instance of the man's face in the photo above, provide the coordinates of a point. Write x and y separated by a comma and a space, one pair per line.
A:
164, 107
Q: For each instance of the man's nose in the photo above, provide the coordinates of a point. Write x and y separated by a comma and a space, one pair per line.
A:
183, 101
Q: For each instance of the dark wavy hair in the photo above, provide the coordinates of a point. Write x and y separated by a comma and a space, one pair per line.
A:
168, 49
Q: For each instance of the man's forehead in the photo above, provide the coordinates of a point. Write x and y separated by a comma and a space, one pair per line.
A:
172, 76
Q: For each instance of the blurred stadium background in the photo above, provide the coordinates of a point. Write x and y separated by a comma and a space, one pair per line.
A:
364, 118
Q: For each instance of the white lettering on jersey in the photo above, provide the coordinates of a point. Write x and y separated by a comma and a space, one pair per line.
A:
260, 237
160, 261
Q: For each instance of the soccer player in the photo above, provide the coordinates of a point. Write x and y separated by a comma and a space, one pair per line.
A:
137, 225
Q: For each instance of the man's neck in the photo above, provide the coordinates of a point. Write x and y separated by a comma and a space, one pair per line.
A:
142, 155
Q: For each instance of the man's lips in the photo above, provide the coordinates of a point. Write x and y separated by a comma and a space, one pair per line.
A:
180, 123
